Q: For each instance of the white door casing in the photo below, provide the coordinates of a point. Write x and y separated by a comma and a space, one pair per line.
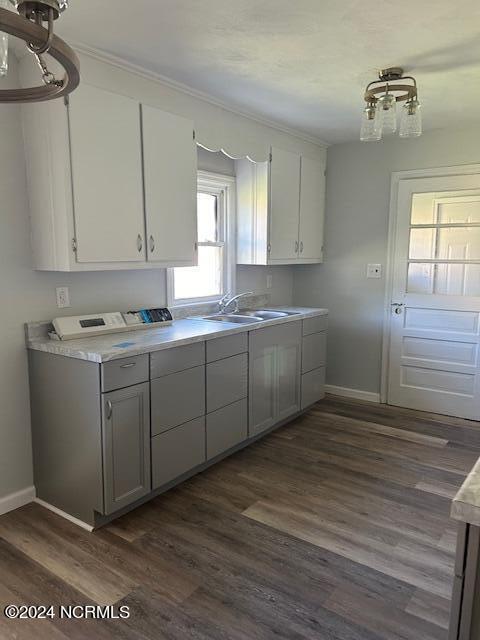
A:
433, 304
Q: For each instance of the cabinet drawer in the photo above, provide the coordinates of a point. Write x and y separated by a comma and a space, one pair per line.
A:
124, 373
315, 325
314, 351
177, 398
225, 347
313, 387
168, 361
177, 451
227, 381
226, 428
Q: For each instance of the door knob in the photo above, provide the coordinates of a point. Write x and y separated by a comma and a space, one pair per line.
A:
398, 307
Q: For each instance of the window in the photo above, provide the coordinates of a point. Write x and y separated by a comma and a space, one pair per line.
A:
214, 274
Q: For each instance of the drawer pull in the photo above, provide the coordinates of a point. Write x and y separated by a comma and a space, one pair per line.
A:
128, 366
109, 409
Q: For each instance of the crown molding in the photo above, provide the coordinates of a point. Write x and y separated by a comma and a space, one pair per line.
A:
126, 65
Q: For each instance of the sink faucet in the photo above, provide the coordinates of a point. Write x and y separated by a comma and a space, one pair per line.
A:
226, 301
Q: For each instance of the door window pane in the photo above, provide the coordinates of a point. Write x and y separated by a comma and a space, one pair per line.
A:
423, 208
422, 244
207, 212
458, 243
204, 280
444, 279
459, 212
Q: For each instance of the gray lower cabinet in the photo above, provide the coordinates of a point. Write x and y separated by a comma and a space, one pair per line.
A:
126, 446
313, 387
227, 381
177, 451
177, 398
274, 375
226, 428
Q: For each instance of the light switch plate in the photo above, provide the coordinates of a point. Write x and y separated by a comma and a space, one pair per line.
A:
374, 270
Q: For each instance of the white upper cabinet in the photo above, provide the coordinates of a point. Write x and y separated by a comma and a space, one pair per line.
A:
281, 208
106, 155
170, 165
284, 205
312, 209
95, 202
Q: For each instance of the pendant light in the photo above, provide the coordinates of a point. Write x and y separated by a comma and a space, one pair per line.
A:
28, 25
380, 114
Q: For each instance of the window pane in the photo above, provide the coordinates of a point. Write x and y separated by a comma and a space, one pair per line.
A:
207, 210
444, 279
454, 243
204, 280
422, 244
459, 212
423, 208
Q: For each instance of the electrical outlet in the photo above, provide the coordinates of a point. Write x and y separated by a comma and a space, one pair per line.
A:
374, 270
269, 281
63, 297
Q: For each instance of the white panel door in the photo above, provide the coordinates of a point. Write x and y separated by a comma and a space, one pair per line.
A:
284, 205
170, 166
312, 209
435, 312
107, 176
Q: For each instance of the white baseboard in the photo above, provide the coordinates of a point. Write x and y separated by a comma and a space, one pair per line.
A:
63, 514
357, 394
17, 500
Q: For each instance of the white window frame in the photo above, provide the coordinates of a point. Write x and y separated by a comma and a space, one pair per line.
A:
225, 188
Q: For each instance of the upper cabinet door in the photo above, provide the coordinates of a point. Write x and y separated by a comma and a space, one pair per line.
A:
284, 204
107, 176
170, 168
312, 209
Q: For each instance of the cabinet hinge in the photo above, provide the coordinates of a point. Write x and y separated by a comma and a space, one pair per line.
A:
74, 245
270, 157
269, 247
194, 135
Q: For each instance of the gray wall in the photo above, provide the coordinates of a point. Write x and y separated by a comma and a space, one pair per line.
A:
358, 194
29, 295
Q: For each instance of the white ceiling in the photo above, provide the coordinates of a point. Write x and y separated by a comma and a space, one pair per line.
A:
302, 63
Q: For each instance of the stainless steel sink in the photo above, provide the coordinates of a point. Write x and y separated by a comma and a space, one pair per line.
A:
235, 318
265, 314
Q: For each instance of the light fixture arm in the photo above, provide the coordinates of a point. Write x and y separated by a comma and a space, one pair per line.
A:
40, 40
387, 82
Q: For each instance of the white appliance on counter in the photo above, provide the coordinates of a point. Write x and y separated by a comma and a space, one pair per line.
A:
72, 327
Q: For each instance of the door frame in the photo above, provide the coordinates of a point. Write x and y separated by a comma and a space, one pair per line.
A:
396, 178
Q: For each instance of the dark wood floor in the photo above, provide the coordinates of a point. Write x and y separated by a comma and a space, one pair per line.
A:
334, 527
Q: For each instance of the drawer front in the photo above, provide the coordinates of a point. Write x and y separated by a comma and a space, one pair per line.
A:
315, 325
226, 428
227, 381
177, 398
225, 347
177, 451
314, 351
313, 387
124, 373
163, 363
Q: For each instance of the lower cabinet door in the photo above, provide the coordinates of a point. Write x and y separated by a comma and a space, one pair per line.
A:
289, 355
126, 446
313, 387
262, 389
226, 428
177, 451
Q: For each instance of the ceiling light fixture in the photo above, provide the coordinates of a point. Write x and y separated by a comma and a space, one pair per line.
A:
380, 114
28, 26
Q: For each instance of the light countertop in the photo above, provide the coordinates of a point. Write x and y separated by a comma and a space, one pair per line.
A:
466, 504
180, 332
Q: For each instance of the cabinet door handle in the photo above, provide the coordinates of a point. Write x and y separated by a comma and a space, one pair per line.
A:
296, 246
109, 409
152, 244
139, 243
301, 247
128, 366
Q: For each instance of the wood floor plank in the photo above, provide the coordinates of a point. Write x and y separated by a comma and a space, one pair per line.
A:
335, 526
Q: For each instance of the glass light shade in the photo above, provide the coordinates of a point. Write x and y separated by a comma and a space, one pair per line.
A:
4, 4
371, 129
411, 119
387, 108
